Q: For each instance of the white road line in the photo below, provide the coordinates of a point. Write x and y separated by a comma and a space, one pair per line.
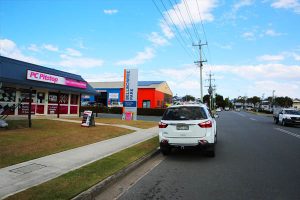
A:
288, 132
253, 119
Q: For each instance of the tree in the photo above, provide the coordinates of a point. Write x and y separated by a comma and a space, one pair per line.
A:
284, 102
220, 101
227, 102
206, 100
188, 98
254, 100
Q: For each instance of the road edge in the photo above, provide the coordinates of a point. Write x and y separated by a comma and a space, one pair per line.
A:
95, 190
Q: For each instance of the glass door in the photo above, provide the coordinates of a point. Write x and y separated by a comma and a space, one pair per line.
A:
40, 103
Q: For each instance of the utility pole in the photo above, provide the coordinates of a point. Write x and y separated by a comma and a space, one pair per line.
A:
273, 99
211, 89
200, 62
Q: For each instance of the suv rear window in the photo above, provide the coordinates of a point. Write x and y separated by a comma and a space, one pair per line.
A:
185, 113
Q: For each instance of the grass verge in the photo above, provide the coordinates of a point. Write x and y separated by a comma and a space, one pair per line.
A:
260, 113
135, 123
47, 137
73, 183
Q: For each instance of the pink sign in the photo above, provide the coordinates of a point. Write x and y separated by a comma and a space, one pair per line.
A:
48, 78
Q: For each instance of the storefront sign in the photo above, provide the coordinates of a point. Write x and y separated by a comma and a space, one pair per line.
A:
24, 109
113, 95
88, 119
48, 78
130, 104
130, 91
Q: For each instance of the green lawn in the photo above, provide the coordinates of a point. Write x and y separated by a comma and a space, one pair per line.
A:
19, 143
134, 123
73, 183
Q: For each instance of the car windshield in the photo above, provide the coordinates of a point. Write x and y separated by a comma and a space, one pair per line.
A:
185, 113
292, 112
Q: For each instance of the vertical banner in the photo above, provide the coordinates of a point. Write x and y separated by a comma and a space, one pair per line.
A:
130, 92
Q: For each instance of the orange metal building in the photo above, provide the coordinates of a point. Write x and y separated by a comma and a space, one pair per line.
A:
151, 94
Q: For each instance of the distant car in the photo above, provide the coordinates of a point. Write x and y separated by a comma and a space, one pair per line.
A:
249, 108
238, 109
188, 125
218, 110
226, 109
116, 104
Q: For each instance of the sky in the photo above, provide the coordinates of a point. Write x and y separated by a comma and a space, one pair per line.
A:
253, 47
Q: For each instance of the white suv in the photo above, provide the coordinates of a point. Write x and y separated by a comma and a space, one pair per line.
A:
186, 126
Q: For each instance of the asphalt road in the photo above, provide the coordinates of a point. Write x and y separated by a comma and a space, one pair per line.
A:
255, 159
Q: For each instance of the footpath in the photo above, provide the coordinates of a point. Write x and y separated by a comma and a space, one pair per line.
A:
24, 175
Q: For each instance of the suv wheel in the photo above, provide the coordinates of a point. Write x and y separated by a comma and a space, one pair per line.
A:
283, 122
211, 151
216, 138
165, 150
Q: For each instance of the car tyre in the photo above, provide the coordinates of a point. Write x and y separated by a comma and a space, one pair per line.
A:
283, 122
211, 152
216, 139
165, 150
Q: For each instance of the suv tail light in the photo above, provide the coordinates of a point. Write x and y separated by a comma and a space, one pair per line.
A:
162, 125
207, 124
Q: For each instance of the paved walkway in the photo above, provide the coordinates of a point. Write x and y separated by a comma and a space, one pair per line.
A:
24, 175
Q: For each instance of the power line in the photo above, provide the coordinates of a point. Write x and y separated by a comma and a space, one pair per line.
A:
182, 45
185, 27
204, 32
191, 20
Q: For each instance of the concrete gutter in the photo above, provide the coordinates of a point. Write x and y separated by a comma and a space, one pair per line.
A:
94, 191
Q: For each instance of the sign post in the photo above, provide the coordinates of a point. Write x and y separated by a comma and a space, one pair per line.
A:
130, 92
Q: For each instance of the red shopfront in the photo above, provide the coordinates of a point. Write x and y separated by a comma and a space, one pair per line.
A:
42, 102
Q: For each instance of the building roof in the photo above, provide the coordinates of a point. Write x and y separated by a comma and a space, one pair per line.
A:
15, 72
158, 85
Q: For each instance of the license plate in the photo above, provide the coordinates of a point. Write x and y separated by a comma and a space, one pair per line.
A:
182, 127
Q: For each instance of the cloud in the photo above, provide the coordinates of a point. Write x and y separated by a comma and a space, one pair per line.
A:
270, 58
242, 3
157, 40
205, 8
8, 48
287, 4
110, 12
271, 32
232, 13
249, 35
166, 30
140, 58
261, 71
223, 46
296, 56
73, 52
267, 86
33, 47
103, 77
82, 62
50, 47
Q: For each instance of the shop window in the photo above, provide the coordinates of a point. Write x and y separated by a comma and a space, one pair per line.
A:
146, 104
74, 99
7, 94
41, 97
52, 97
24, 97
64, 98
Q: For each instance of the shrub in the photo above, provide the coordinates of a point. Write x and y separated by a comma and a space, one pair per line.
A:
151, 111
119, 110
